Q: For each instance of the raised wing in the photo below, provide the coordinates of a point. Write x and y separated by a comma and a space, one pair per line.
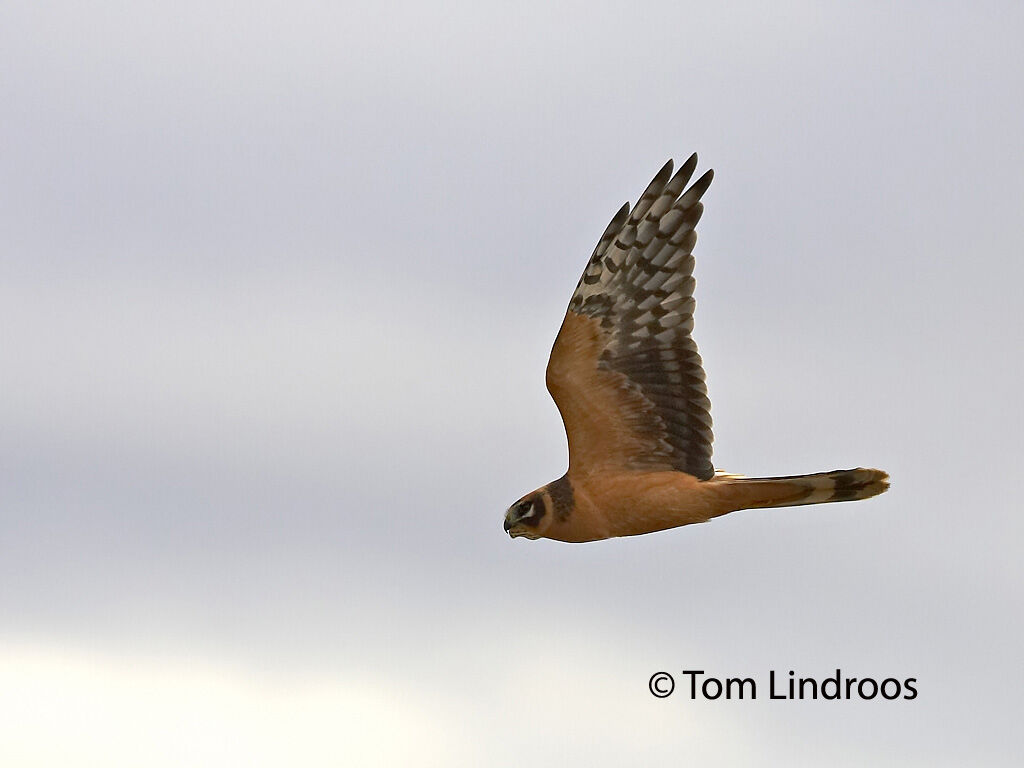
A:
624, 371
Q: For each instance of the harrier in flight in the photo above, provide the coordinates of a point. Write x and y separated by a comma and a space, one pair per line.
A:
629, 384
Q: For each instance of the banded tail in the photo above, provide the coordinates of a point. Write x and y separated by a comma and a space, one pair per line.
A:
796, 490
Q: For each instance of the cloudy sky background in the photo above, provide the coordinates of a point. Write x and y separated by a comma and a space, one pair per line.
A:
278, 282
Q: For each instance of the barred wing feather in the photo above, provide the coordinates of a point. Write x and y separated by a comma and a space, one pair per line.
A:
624, 371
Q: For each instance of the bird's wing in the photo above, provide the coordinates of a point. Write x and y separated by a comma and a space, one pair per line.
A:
624, 371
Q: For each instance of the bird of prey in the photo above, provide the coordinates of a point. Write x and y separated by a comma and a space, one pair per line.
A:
629, 384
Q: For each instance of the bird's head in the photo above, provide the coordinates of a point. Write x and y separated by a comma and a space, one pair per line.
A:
528, 517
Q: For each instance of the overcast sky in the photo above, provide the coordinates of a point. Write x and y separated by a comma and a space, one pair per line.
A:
278, 282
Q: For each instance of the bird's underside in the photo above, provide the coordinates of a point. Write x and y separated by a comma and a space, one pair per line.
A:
629, 384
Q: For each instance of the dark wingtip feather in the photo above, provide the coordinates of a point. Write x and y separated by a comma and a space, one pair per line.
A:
699, 187
660, 179
685, 172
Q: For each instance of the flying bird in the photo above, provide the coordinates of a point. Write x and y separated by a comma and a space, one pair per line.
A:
629, 384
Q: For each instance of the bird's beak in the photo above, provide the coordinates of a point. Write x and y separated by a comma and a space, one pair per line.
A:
512, 526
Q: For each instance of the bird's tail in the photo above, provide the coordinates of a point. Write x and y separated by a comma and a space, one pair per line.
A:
796, 490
